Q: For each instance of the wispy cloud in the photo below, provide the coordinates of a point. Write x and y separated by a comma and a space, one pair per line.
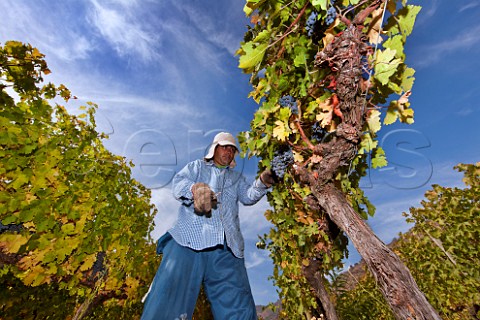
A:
465, 39
209, 29
468, 6
427, 14
255, 259
123, 30
465, 111
253, 220
27, 23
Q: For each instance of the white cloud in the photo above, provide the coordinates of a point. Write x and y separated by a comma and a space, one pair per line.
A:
124, 30
253, 221
221, 37
469, 6
465, 39
255, 259
199, 51
31, 23
167, 207
430, 10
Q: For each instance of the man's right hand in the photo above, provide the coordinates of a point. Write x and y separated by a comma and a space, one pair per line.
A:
202, 198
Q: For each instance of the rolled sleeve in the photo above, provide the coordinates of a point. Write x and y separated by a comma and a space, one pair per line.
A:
183, 182
251, 194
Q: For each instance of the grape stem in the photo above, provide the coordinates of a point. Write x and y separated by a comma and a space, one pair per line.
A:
360, 18
303, 136
289, 29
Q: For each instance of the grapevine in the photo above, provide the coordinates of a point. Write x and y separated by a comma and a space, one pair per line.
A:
313, 51
66, 202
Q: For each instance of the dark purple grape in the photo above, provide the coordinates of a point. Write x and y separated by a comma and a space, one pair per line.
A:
281, 161
289, 101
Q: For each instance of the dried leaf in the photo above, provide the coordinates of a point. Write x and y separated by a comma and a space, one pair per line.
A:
326, 112
404, 98
373, 32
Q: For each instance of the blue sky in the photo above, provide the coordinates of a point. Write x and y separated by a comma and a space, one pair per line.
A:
166, 81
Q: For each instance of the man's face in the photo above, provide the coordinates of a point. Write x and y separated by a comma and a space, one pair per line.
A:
224, 155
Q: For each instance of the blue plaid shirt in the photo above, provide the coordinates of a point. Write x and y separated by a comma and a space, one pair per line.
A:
199, 231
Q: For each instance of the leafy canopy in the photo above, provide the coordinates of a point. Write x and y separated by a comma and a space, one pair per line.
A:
83, 222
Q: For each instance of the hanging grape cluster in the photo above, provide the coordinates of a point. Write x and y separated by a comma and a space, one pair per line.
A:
318, 133
289, 102
98, 265
316, 27
11, 227
281, 160
312, 19
331, 15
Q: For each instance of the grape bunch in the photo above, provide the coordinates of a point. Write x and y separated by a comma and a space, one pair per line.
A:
318, 133
331, 15
280, 162
312, 19
98, 265
289, 101
12, 227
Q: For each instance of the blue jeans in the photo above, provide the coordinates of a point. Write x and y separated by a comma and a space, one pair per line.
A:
175, 288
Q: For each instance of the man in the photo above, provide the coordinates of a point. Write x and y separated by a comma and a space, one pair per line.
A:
206, 245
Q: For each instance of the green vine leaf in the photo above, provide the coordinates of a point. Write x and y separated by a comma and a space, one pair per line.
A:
385, 65
252, 55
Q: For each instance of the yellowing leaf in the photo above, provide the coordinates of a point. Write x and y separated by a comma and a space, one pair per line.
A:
395, 43
281, 130
262, 36
374, 121
378, 158
367, 144
406, 18
68, 228
406, 116
20, 180
391, 116
407, 79
34, 277
88, 262
399, 109
297, 157
12, 242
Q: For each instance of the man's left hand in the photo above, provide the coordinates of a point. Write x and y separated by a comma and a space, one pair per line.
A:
267, 177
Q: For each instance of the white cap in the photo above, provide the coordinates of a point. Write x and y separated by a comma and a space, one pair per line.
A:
222, 139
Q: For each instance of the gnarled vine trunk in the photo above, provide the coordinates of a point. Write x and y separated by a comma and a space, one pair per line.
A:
346, 58
315, 277
393, 278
